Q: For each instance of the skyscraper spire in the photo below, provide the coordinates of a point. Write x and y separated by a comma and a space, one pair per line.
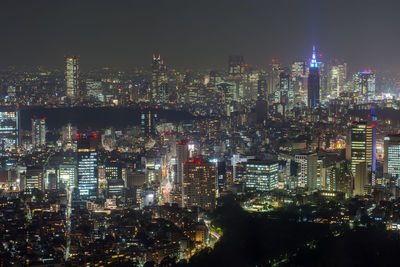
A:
313, 63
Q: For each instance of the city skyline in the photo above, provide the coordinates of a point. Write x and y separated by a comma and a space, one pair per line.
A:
200, 35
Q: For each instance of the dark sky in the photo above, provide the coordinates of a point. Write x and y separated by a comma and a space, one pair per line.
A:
198, 33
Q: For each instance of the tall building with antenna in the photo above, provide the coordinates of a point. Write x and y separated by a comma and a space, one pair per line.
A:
313, 82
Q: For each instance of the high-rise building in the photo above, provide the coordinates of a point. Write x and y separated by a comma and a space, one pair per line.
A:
337, 78
262, 89
87, 166
261, 175
38, 132
9, 129
148, 121
94, 89
392, 156
67, 175
309, 171
363, 147
285, 92
159, 84
199, 184
72, 75
366, 86
313, 82
33, 178
182, 155
273, 76
236, 65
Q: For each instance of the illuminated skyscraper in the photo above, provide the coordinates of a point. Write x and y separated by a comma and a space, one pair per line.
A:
366, 86
72, 75
87, 168
363, 148
9, 129
313, 82
159, 84
261, 175
273, 76
285, 92
337, 77
38, 132
199, 184
392, 156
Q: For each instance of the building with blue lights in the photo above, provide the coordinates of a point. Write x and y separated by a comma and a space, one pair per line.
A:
313, 82
87, 168
9, 128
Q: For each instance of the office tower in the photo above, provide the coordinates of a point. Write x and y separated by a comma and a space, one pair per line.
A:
115, 187
72, 75
261, 175
9, 128
273, 76
33, 178
148, 121
262, 89
285, 93
236, 65
67, 175
363, 147
361, 178
313, 82
182, 155
392, 156
112, 171
299, 72
38, 132
94, 89
87, 166
337, 78
159, 84
366, 86
309, 171
199, 184
298, 69
221, 174
236, 73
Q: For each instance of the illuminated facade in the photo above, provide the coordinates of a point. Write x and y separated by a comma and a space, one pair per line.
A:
261, 175
309, 172
199, 184
9, 129
38, 132
87, 168
67, 175
392, 156
285, 93
366, 86
148, 120
159, 84
363, 147
337, 78
72, 75
313, 82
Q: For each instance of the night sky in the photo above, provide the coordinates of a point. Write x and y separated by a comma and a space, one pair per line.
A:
198, 34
